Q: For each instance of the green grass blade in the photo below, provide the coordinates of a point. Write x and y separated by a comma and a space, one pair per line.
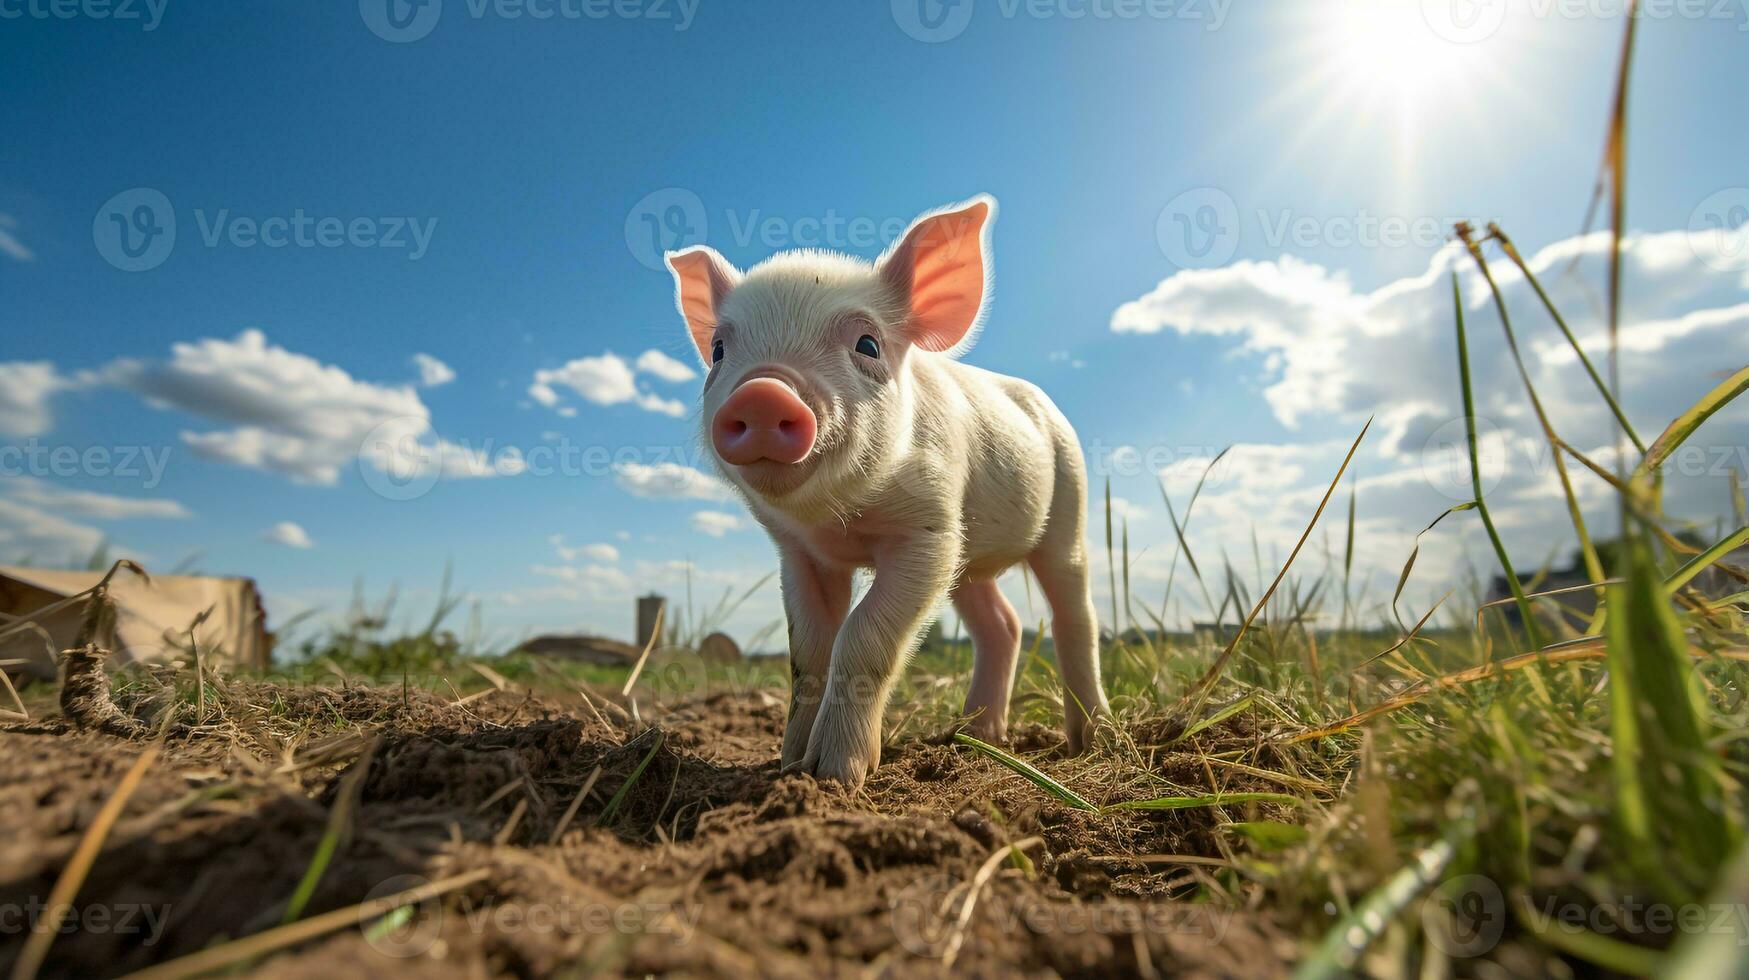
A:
1671, 800
1587, 551
1415, 552
1621, 417
1111, 561
1701, 562
1027, 770
1684, 425
338, 830
1218, 717
1207, 681
1512, 582
1614, 955
1338, 956
1710, 953
1206, 799
632, 780
1269, 835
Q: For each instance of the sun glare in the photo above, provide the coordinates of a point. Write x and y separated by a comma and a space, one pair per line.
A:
1389, 48
1373, 80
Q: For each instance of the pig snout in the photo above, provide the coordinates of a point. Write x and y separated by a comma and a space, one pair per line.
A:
763, 419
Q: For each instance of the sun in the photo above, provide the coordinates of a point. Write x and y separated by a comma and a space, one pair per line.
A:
1389, 48
1373, 80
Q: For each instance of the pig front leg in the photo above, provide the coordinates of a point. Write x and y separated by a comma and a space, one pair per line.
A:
911, 576
815, 600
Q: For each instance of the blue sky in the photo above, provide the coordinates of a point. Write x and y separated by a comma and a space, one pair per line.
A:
491, 184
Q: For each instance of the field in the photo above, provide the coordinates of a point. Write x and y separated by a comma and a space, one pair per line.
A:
1518, 788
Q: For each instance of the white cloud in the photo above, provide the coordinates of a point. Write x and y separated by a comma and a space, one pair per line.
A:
594, 552
1333, 351
288, 534
85, 503
432, 372
667, 368
10, 246
296, 416
25, 389
1332, 355
716, 523
669, 481
1121, 510
605, 380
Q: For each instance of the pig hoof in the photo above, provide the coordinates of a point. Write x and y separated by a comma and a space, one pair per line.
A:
825, 760
990, 733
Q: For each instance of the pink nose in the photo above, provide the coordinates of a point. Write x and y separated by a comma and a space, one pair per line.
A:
763, 419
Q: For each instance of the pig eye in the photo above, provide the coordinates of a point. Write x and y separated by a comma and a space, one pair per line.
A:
867, 346
716, 351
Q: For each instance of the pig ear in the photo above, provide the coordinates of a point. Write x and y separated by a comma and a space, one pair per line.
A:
941, 266
701, 279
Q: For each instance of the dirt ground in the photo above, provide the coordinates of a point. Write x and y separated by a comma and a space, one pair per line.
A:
711, 864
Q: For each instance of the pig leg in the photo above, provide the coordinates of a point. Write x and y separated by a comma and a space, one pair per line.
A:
911, 575
815, 600
1060, 565
995, 630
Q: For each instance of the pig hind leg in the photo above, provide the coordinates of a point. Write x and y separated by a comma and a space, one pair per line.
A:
995, 630
1060, 565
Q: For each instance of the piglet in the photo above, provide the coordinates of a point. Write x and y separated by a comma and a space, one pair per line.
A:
836, 405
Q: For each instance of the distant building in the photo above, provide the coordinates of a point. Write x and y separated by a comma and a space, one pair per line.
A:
651, 609
1577, 603
581, 647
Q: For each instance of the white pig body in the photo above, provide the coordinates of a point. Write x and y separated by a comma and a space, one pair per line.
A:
835, 406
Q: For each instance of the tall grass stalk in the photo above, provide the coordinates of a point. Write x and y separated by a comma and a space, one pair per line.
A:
1463, 352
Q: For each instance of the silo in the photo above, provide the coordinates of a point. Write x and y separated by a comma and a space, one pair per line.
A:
650, 614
